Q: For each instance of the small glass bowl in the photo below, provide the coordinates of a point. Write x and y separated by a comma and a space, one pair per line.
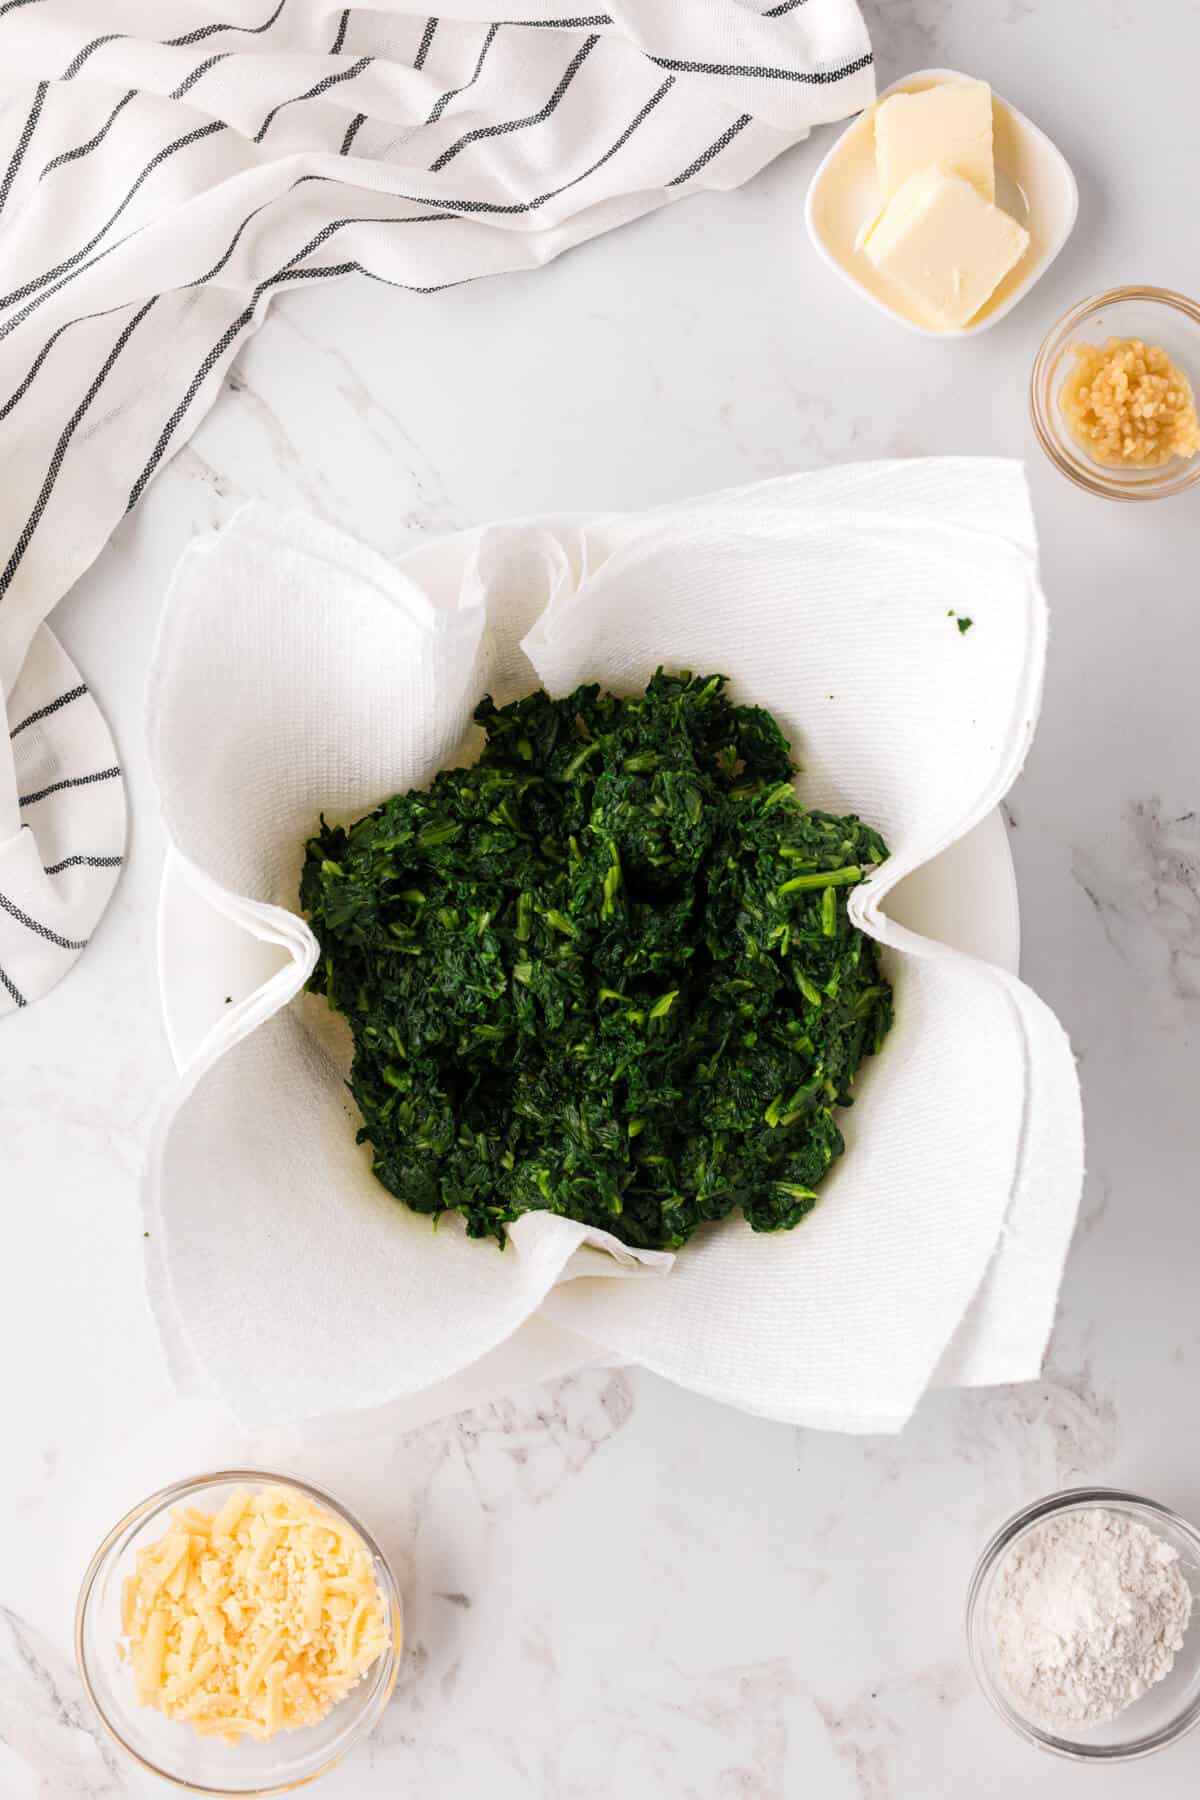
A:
1163, 1715
170, 1748
1157, 316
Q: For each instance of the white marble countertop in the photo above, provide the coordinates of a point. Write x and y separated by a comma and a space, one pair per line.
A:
615, 1588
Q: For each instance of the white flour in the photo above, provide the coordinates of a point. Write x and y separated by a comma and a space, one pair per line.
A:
1087, 1612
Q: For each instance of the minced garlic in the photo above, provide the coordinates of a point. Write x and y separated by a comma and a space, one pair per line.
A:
1129, 406
254, 1619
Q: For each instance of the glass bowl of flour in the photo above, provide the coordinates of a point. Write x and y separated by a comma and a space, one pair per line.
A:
1083, 1625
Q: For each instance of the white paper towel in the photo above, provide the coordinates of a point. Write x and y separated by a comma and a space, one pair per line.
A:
297, 672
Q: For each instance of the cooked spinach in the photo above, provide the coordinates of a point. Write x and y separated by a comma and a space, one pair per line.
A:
605, 972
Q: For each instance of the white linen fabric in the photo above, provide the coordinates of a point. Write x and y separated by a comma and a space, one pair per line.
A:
299, 673
166, 167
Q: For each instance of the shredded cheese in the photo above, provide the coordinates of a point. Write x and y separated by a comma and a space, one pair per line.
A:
256, 1619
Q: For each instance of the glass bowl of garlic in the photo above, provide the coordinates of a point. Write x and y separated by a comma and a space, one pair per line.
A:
1112, 394
238, 1633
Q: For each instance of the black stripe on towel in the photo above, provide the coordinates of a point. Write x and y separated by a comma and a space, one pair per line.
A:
202, 68
179, 43
325, 232
60, 449
466, 208
537, 118
714, 149
177, 93
416, 219
319, 87
56, 162
77, 61
236, 239
431, 26
43, 931
70, 781
51, 706
440, 106
352, 131
206, 31
785, 6
810, 77
84, 862
340, 39
19, 318
18, 155
19, 392
160, 156
14, 993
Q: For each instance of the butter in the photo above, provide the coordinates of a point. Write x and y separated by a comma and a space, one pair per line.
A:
944, 246
949, 125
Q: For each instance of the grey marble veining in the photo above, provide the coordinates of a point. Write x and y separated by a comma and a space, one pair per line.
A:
614, 1588
49, 1737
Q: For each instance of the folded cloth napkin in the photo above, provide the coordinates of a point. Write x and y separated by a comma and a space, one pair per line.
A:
297, 672
167, 168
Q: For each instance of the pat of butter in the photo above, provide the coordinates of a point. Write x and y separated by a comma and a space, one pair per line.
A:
944, 246
950, 125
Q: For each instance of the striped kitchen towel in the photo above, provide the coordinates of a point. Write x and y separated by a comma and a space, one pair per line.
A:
166, 166
62, 794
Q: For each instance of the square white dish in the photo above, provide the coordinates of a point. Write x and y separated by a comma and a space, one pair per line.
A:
1034, 182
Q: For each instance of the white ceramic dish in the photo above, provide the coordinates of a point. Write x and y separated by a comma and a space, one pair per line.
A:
1034, 183
206, 962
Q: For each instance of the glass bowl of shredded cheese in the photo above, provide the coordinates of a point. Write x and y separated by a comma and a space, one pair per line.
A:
1113, 394
1083, 1625
237, 1633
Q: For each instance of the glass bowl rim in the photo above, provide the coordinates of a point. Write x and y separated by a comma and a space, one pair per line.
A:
157, 1502
1076, 1499
1087, 475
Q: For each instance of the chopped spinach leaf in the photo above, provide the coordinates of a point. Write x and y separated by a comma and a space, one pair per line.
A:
606, 972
